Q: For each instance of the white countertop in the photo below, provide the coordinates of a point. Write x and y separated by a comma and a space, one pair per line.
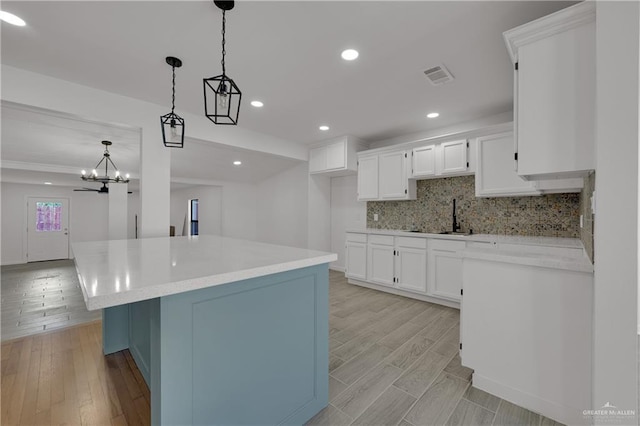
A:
540, 260
117, 272
505, 239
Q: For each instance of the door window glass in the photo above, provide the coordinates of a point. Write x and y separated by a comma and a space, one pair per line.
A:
48, 216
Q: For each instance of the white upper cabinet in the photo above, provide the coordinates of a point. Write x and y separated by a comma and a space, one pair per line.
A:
393, 175
444, 159
385, 177
453, 157
495, 175
555, 83
423, 161
336, 157
368, 178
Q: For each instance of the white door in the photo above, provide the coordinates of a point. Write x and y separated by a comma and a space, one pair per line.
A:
424, 161
380, 264
494, 174
411, 269
445, 268
335, 156
368, 178
47, 229
318, 159
356, 262
393, 178
453, 157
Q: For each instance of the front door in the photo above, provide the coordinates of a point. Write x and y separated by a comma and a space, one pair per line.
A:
47, 228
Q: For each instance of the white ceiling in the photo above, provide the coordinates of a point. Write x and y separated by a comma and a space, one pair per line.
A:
41, 145
286, 54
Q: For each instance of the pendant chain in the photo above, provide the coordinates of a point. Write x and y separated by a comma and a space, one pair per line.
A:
224, 24
173, 91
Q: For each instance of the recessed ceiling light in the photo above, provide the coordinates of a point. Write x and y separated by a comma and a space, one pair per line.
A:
48, 183
324, 128
12, 19
237, 163
257, 104
349, 54
433, 115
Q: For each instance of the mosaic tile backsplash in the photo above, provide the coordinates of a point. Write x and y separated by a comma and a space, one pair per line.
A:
553, 215
586, 232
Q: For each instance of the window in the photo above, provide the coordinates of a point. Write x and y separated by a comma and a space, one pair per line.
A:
194, 216
48, 216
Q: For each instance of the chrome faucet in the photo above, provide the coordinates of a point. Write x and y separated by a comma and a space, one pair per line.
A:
456, 225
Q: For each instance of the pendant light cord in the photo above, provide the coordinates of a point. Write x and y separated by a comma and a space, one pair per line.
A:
224, 24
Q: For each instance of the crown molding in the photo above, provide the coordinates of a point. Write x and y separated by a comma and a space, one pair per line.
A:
547, 26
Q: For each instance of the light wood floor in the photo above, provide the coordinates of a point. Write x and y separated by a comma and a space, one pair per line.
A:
393, 361
62, 377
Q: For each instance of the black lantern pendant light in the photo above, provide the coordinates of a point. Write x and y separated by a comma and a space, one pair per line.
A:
221, 94
172, 123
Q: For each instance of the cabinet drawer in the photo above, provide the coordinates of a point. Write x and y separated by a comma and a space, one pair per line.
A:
448, 245
551, 251
385, 240
419, 243
482, 245
356, 238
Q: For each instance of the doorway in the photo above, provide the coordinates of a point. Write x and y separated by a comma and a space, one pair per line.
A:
193, 209
47, 229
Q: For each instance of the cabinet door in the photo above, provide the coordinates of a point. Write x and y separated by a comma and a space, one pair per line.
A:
368, 178
411, 269
380, 264
336, 156
424, 161
393, 177
445, 268
556, 103
356, 260
318, 159
453, 157
495, 176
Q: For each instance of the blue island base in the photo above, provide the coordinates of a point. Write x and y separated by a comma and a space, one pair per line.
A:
251, 352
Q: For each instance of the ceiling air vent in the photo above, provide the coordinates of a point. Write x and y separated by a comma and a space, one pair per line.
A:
438, 75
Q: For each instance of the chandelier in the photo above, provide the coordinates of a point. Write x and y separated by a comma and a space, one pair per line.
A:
106, 178
222, 104
172, 123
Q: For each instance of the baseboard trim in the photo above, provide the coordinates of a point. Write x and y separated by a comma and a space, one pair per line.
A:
404, 293
559, 413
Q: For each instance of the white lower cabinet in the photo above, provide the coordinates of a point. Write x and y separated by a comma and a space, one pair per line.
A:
445, 268
411, 268
380, 257
356, 256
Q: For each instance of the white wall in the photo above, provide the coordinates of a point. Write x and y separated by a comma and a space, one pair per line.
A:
346, 213
615, 378
209, 209
319, 213
28, 88
281, 207
88, 219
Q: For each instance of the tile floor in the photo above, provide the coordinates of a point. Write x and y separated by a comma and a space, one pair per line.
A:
41, 296
394, 361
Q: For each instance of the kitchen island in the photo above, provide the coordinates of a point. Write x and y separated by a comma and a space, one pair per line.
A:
224, 331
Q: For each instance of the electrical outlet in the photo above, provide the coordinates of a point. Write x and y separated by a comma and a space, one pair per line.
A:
375, 217
581, 221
